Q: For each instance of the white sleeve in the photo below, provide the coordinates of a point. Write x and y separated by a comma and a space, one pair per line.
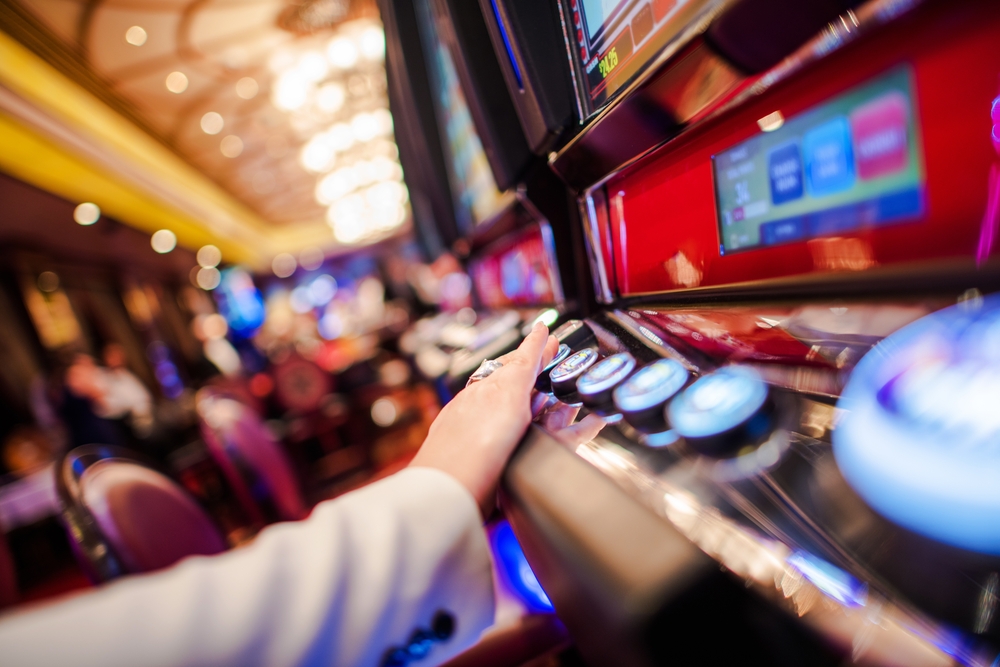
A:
364, 575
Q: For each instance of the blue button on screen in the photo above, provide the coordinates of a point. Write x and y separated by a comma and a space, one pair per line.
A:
784, 165
829, 159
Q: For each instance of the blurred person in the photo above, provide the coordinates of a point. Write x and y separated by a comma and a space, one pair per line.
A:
76, 391
392, 574
120, 396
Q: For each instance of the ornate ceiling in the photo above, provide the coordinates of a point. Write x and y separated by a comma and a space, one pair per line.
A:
284, 106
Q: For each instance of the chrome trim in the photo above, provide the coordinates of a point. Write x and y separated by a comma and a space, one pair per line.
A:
574, 70
878, 631
591, 237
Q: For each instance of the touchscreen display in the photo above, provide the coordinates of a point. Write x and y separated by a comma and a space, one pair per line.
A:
849, 164
616, 38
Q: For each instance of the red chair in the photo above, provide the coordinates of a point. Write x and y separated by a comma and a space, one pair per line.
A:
254, 463
124, 517
8, 575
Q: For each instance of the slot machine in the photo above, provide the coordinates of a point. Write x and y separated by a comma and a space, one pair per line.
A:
790, 213
473, 191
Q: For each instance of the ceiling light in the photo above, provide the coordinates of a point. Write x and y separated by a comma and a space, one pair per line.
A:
283, 265
135, 36
372, 43
317, 155
311, 258
177, 82
163, 241
247, 88
364, 127
330, 97
313, 66
208, 256
212, 123
231, 146
86, 214
291, 91
208, 278
340, 137
334, 186
383, 120
342, 53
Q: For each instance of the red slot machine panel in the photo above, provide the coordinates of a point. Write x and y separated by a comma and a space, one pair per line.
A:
880, 157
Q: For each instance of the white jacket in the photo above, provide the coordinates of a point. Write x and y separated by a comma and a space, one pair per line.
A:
372, 572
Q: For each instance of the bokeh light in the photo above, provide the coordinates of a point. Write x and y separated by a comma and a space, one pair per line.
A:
163, 241
283, 265
384, 411
136, 35
247, 88
212, 123
208, 256
311, 258
177, 82
208, 278
86, 213
231, 146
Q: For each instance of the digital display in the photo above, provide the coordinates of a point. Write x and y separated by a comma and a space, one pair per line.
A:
471, 179
516, 272
850, 164
616, 38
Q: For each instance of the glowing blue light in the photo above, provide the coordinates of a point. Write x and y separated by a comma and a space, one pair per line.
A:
920, 432
830, 579
516, 572
240, 302
718, 402
322, 290
651, 386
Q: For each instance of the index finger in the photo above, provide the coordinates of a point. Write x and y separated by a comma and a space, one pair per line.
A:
528, 357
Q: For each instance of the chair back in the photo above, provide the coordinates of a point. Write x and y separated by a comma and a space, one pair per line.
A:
8, 575
254, 463
125, 517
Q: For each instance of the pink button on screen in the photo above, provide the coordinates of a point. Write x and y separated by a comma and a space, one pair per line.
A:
880, 136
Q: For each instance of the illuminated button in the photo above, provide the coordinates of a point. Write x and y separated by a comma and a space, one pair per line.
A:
722, 412
565, 375
542, 383
576, 334
597, 385
641, 398
919, 439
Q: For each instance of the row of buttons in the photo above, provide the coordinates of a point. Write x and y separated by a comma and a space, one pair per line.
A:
718, 414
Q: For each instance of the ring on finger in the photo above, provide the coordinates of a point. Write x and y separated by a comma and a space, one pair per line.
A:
487, 368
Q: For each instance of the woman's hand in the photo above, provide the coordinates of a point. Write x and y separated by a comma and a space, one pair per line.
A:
475, 433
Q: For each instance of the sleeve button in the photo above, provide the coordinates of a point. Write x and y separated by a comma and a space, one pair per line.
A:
443, 625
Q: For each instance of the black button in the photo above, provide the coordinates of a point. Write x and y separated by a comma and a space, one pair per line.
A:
443, 625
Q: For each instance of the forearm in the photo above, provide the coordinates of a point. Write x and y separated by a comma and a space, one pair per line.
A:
341, 588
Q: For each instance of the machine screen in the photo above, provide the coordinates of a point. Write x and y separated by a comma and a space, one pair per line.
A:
516, 272
849, 164
472, 184
616, 38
